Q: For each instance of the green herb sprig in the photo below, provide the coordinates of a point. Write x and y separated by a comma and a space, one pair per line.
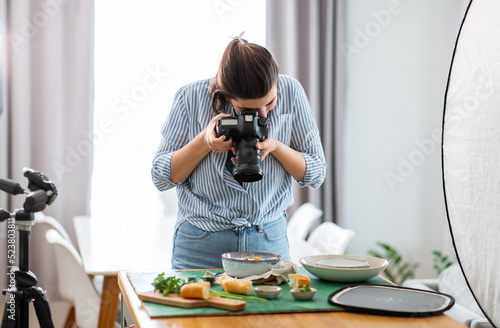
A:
167, 285
237, 296
305, 289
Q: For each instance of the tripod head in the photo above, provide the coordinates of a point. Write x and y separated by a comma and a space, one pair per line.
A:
42, 191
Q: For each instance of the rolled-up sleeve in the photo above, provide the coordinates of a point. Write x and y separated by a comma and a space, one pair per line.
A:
315, 171
307, 141
175, 136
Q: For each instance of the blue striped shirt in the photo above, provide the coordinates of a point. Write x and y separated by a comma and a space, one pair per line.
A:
210, 198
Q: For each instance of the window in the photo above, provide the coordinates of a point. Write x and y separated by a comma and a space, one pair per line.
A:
144, 52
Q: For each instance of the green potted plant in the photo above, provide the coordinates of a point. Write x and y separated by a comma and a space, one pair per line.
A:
399, 270
441, 261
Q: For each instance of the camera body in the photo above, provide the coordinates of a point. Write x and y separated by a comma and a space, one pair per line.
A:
246, 130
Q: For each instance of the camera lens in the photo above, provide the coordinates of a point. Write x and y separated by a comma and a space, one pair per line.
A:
247, 166
247, 176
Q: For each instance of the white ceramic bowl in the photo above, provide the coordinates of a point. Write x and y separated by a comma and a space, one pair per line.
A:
344, 274
267, 291
241, 265
300, 295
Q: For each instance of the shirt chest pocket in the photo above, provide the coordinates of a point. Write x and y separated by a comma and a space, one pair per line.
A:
280, 128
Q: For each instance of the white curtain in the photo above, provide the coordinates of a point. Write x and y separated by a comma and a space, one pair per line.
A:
47, 121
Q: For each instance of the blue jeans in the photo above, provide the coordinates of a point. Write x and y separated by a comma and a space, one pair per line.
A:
194, 248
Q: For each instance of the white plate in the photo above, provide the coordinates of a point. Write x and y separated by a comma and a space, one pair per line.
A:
343, 274
342, 263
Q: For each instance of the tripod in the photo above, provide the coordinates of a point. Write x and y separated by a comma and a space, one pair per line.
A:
22, 281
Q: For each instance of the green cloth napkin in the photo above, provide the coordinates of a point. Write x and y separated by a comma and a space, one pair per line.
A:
141, 281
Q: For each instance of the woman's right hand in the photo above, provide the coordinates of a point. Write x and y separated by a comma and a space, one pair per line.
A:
185, 159
220, 144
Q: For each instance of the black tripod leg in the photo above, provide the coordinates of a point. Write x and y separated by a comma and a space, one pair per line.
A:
9, 319
42, 308
6, 322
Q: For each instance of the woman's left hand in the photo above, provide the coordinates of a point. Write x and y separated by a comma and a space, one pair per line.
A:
292, 161
267, 146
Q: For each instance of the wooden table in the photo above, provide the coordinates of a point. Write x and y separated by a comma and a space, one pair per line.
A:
109, 246
338, 319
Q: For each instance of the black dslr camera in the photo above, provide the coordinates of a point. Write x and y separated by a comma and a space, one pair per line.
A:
246, 130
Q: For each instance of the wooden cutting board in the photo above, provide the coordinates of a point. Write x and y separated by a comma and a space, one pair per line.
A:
175, 299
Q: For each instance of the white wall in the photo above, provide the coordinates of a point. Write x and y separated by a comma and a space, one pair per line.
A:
396, 57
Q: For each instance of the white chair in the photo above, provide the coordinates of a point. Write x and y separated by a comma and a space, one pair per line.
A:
52, 223
298, 228
303, 219
329, 238
74, 284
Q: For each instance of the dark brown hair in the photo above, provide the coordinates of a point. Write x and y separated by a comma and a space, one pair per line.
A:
246, 71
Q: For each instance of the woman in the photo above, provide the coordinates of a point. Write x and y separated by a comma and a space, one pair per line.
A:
216, 213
